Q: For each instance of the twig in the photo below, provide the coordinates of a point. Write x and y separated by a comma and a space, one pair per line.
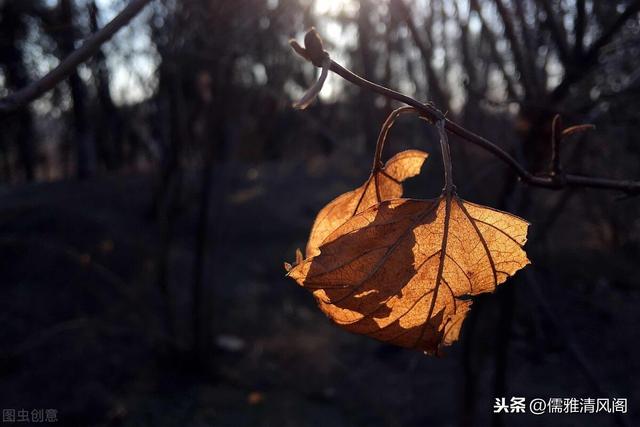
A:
316, 54
576, 129
556, 138
39, 87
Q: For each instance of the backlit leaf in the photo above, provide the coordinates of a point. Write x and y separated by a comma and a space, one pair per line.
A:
403, 271
384, 184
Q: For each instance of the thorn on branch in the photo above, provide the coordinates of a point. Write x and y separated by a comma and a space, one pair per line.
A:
577, 129
557, 175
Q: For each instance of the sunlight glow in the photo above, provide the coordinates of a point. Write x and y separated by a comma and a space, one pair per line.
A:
338, 36
335, 7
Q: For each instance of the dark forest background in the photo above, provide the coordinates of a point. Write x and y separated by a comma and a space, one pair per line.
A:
147, 204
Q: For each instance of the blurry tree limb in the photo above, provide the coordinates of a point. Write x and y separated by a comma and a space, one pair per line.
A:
558, 32
590, 57
314, 52
39, 87
579, 25
465, 48
497, 58
529, 45
514, 42
426, 51
368, 63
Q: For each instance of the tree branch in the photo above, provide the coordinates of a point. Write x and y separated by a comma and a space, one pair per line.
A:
579, 25
426, 52
529, 47
590, 57
558, 32
39, 87
518, 54
316, 54
495, 55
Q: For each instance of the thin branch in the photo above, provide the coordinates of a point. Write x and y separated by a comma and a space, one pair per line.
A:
497, 58
316, 54
558, 32
580, 25
518, 55
604, 39
465, 48
39, 87
426, 52
530, 58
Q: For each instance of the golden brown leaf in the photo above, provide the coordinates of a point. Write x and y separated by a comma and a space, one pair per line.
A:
403, 271
383, 184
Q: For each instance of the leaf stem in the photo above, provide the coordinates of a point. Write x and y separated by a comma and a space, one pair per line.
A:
384, 131
446, 158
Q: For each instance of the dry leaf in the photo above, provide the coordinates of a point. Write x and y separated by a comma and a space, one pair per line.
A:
403, 271
383, 184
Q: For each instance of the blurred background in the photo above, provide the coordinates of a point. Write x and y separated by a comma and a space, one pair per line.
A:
148, 202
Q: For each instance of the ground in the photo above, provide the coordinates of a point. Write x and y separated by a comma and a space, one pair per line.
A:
84, 322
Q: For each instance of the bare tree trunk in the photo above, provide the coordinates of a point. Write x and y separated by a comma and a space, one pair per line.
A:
85, 149
13, 28
202, 295
108, 126
216, 148
168, 193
